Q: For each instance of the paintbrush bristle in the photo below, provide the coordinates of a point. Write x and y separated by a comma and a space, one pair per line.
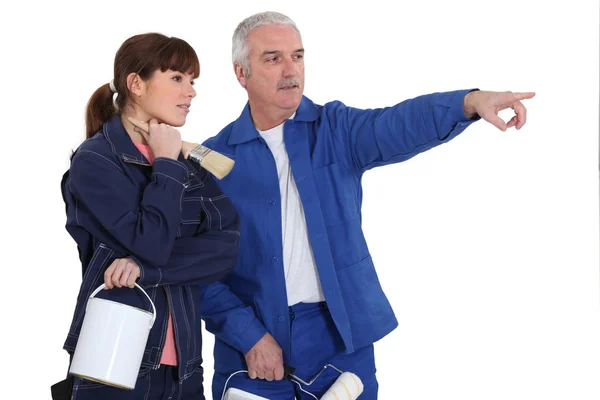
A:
216, 163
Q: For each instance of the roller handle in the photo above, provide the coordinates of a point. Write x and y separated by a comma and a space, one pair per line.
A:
288, 371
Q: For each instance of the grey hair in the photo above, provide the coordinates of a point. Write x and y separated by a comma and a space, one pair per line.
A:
240, 50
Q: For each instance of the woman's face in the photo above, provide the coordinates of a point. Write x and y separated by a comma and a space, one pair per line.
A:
167, 96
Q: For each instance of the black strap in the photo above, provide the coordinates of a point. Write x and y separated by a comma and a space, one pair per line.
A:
288, 370
62, 390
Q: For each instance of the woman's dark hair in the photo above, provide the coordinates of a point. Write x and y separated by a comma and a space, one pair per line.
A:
142, 54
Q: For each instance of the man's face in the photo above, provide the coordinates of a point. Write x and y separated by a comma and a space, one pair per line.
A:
276, 78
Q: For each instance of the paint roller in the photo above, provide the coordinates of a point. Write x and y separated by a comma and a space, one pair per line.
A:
347, 387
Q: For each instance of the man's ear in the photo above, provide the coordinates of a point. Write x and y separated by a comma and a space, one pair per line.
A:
240, 74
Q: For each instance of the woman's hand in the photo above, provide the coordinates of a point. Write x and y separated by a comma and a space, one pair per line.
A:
122, 272
143, 127
164, 140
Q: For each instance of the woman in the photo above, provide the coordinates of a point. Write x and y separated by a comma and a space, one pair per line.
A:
140, 211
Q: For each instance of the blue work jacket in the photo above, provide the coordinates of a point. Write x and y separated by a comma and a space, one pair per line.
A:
329, 147
169, 216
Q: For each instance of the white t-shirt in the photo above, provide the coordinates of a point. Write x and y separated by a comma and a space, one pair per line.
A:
301, 276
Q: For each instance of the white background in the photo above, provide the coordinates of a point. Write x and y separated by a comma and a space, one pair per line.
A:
487, 247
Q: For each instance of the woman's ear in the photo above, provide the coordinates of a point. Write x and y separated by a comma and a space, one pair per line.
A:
135, 84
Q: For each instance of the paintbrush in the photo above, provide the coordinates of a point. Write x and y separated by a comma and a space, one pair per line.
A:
211, 160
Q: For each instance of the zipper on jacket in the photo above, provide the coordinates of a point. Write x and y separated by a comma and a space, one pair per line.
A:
164, 332
175, 339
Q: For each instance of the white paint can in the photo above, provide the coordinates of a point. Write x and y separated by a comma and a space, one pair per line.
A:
112, 341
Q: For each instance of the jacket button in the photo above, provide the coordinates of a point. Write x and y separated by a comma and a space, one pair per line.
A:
272, 202
185, 178
281, 318
274, 259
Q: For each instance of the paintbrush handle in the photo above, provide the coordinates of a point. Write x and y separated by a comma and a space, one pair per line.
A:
187, 147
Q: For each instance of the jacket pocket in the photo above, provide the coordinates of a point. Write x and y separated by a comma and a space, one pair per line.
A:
369, 312
193, 366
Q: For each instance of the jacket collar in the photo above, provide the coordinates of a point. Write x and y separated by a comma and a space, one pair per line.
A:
123, 146
121, 142
243, 129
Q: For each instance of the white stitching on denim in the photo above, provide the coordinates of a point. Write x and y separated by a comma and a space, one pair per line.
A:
185, 318
206, 198
208, 216
159, 173
92, 288
89, 385
161, 343
101, 156
173, 162
194, 360
195, 182
148, 390
220, 217
176, 330
180, 390
172, 391
197, 368
160, 276
191, 296
181, 200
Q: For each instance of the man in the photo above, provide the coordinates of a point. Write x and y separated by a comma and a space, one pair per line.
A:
305, 292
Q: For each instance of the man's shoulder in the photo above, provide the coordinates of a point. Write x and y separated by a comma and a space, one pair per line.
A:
220, 140
329, 108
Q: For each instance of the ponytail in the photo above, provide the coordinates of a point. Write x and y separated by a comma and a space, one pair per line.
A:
100, 108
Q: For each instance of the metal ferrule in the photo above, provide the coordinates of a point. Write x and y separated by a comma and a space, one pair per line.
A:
198, 153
